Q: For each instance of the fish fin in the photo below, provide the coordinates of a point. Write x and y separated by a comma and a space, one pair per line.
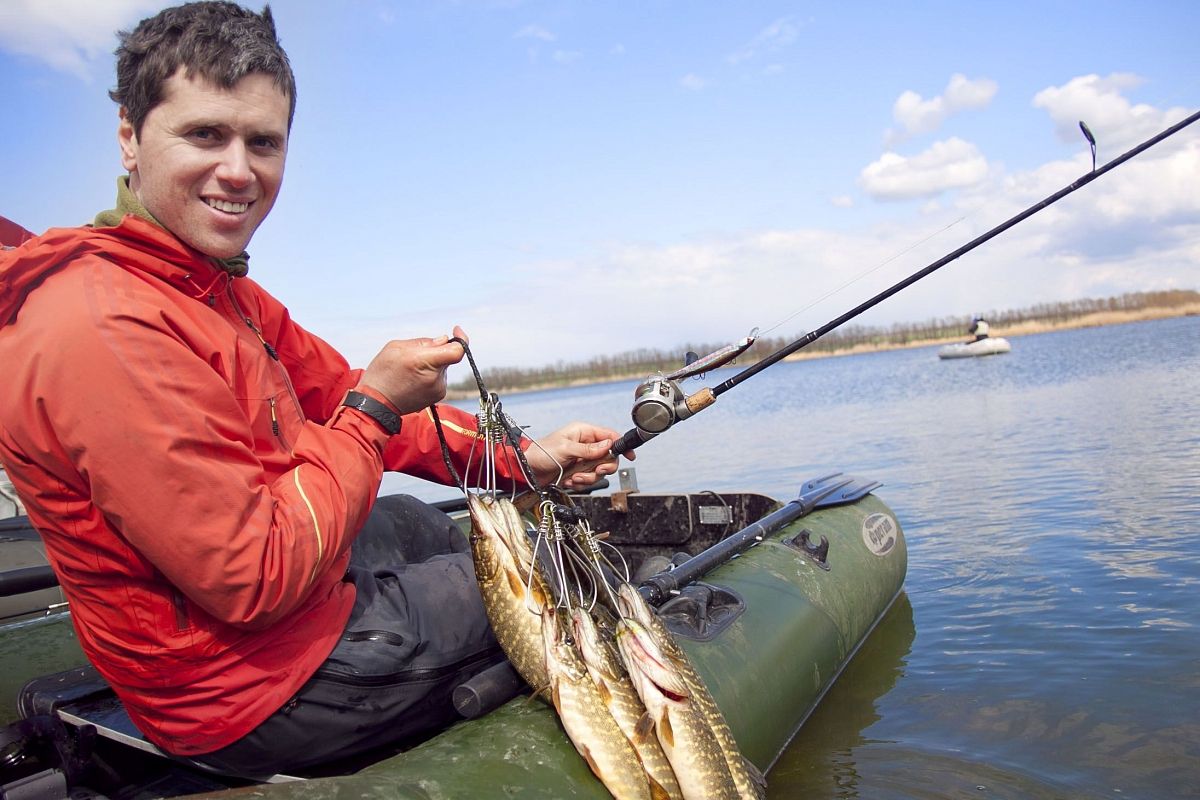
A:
666, 734
644, 728
755, 774
605, 693
540, 693
657, 792
539, 596
591, 762
515, 583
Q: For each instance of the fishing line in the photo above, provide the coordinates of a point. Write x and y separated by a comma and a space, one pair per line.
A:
659, 403
1087, 133
862, 275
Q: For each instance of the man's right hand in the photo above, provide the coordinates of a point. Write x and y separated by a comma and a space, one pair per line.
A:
411, 373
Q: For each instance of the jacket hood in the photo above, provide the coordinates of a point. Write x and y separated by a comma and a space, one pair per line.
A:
133, 244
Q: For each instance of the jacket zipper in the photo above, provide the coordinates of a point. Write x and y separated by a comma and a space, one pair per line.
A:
180, 604
408, 675
274, 355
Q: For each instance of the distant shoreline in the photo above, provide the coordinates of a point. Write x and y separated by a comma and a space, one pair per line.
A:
1094, 320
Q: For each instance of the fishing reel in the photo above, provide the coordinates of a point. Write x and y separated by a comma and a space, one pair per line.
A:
658, 403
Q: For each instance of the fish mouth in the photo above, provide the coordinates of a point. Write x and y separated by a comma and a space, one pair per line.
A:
649, 665
227, 206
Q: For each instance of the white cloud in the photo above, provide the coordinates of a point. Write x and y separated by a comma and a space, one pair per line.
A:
842, 201
1115, 121
67, 34
949, 164
781, 33
535, 32
916, 115
693, 82
1135, 229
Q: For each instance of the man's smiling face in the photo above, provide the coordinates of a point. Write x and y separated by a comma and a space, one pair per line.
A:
209, 161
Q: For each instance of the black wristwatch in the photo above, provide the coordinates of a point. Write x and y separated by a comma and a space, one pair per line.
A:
389, 420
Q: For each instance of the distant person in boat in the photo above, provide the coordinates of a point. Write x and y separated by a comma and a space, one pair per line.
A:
204, 471
979, 327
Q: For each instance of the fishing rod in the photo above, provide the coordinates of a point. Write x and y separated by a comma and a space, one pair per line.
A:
659, 403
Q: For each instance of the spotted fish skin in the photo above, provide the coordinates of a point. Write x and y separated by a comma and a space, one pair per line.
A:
749, 782
513, 594
608, 672
586, 718
679, 724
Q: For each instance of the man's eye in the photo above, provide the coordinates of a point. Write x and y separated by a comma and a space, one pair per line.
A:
264, 143
204, 134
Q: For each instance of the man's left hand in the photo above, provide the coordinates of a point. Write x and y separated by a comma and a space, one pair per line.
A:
579, 451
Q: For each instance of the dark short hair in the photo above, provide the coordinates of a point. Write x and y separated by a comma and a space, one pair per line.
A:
220, 41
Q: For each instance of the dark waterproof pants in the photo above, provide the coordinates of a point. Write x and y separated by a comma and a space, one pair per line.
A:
418, 629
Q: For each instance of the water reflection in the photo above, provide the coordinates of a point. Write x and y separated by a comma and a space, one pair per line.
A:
821, 757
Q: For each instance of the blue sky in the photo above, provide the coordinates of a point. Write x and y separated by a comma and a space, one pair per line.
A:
567, 179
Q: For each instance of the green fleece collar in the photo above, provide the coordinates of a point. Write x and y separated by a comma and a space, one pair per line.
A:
128, 204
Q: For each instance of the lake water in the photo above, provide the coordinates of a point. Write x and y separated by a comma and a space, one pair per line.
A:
1047, 644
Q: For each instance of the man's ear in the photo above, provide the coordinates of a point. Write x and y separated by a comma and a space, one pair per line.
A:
127, 140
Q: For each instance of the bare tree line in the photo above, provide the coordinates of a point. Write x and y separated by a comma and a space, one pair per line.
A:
646, 361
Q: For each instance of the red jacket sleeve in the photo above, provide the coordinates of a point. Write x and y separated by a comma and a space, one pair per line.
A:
144, 414
322, 377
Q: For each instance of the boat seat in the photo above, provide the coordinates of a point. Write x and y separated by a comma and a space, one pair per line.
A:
81, 697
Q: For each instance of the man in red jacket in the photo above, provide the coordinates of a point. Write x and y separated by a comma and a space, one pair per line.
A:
204, 471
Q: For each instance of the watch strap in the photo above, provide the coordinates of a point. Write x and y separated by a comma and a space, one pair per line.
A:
388, 420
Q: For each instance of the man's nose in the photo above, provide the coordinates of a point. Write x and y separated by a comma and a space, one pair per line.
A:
234, 166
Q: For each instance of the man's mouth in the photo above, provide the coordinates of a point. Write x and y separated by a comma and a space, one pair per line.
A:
226, 206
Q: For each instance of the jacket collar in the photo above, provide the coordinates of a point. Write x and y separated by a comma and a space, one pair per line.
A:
134, 243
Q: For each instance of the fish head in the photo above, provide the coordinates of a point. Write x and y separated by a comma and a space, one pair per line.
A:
551, 629
631, 604
588, 638
648, 665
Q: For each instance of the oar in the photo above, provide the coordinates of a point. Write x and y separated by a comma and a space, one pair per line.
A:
830, 490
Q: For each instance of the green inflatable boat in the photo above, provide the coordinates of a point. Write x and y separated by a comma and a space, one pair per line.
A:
769, 599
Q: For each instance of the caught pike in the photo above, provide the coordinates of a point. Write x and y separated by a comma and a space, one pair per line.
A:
679, 724
587, 720
748, 781
618, 693
514, 592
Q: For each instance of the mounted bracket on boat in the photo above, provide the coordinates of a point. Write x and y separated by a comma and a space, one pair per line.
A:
619, 500
829, 490
817, 553
701, 611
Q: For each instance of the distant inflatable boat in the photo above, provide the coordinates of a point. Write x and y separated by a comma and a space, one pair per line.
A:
993, 345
